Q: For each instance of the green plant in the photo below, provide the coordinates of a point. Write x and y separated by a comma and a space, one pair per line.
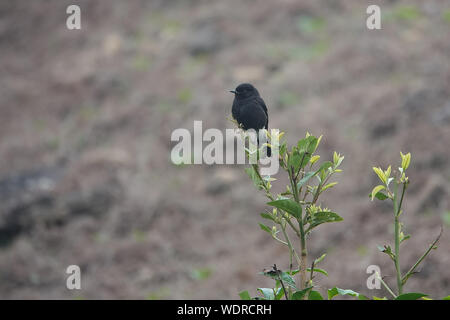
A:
394, 189
298, 209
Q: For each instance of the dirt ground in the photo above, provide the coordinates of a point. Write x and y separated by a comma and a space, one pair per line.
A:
86, 118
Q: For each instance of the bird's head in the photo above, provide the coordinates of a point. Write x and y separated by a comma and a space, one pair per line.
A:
245, 90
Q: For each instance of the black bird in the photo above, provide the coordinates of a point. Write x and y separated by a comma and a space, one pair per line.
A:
249, 109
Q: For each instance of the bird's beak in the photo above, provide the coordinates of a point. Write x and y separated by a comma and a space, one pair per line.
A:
232, 91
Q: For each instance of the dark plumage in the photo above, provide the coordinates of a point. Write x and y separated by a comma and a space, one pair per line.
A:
249, 109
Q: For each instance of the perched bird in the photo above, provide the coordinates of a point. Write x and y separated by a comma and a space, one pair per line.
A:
249, 109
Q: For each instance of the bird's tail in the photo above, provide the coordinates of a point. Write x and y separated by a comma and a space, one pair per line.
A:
269, 150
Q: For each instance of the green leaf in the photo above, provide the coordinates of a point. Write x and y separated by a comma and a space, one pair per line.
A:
376, 190
388, 250
389, 180
269, 179
328, 186
317, 143
294, 272
378, 298
380, 196
318, 270
411, 296
280, 294
404, 237
294, 160
299, 295
309, 175
307, 144
337, 291
298, 160
301, 155
265, 228
337, 159
267, 216
284, 276
314, 159
323, 217
306, 157
325, 166
319, 259
387, 174
268, 293
314, 295
287, 205
446, 298
287, 279
283, 149
380, 174
245, 295
406, 160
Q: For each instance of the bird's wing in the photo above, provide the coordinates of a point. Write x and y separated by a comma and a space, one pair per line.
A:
261, 102
252, 116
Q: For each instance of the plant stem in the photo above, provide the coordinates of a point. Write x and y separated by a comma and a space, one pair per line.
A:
304, 263
303, 252
385, 285
283, 227
263, 182
281, 282
291, 248
411, 271
397, 258
292, 253
397, 210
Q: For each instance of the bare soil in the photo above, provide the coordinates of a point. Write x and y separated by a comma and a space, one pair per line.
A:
87, 115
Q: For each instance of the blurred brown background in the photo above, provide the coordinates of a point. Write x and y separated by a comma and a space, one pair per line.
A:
86, 119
